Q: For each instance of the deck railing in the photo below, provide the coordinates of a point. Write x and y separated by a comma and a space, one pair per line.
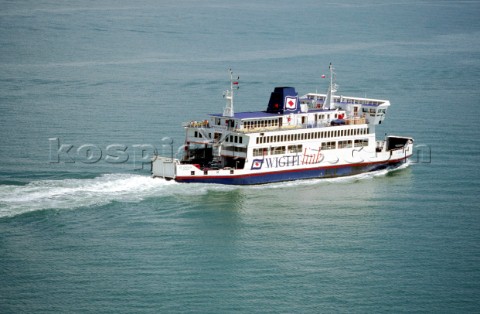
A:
319, 124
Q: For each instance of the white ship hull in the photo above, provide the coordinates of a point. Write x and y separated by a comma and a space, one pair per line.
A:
307, 165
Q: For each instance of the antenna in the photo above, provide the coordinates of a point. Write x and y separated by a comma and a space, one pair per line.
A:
332, 88
228, 95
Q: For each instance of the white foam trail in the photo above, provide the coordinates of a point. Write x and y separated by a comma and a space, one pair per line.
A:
107, 188
74, 193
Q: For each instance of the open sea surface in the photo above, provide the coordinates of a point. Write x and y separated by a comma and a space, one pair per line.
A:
78, 236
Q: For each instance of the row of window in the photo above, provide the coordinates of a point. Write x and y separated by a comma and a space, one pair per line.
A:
234, 139
279, 150
276, 122
311, 135
360, 102
198, 134
230, 138
328, 116
356, 143
373, 110
235, 149
348, 100
293, 137
260, 124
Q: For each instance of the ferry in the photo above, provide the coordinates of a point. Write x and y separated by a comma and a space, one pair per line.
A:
296, 137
